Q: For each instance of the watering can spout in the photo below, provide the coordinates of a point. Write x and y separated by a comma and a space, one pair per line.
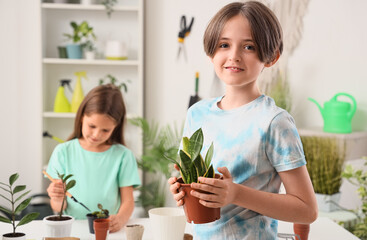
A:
318, 105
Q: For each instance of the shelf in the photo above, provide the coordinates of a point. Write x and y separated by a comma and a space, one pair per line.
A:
72, 115
94, 7
90, 62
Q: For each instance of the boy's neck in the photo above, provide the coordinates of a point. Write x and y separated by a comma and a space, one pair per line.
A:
234, 99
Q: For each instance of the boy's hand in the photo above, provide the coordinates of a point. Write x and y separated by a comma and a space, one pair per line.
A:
56, 191
115, 223
177, 196
222, 190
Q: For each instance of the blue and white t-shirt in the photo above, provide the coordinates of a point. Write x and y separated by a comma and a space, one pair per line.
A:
255, 142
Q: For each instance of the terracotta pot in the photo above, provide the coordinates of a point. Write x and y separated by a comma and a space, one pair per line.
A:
91, 219
301, 230
101, 226
194, 211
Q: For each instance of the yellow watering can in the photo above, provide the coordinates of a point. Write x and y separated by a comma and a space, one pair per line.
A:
337, 114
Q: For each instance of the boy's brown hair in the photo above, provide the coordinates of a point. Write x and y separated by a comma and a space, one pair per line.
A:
265, 28
104, 99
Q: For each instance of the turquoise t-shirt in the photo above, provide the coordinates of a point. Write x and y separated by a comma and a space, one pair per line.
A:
98, 175
255, 142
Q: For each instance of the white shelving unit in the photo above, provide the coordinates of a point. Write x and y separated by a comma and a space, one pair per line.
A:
126, 24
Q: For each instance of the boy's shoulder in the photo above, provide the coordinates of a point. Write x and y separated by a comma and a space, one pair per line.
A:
204, 103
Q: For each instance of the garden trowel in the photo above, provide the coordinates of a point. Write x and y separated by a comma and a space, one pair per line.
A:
194, 99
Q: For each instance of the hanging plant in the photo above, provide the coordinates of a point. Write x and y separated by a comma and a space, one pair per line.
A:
109, 4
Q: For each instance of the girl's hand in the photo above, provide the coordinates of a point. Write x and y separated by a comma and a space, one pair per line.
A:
221, 191
56, 191
177, 195
116, 223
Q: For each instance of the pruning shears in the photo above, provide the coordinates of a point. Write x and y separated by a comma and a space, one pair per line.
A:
182, 34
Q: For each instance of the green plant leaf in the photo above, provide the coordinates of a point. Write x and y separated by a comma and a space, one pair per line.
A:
5, 197
5, 220
193, 174
22, 205
200, 166
13, 178
185, 144
70, 184
67, 177
196, 143
21, 196
28, 218
6, 210
19, 188
210, 173
185, 161
209, 156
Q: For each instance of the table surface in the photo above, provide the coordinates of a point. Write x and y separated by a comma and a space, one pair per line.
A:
322, 229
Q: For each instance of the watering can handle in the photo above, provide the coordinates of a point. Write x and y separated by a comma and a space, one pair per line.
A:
354, 107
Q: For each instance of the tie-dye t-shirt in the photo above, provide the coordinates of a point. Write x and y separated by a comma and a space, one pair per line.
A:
255, 142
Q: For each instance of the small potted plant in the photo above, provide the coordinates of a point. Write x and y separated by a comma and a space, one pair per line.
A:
191, 168
89, 50
15, 209
102, 213
60, 225
82, 33
113, 80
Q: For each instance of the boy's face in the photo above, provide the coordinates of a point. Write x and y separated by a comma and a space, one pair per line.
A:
235, 60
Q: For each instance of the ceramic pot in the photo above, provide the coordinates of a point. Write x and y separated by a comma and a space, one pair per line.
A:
101, 226
74, 51
134, 232
58, 228
9, 236
302, 230
91, 219
194, 211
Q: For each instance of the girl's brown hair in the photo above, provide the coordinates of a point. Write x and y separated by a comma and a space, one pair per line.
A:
104, 99
265, 28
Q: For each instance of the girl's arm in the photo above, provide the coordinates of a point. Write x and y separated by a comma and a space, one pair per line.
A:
126, 209
297, 205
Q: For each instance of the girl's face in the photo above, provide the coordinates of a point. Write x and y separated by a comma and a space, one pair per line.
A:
235, 60
97, 129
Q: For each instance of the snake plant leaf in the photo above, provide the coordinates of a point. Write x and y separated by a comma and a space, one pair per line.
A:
22, 205
200, 166
19, 188
13, 178
70, 184
28, 218
209, 156
210, 173
21, 196
185, 144
185, 161
4, 219
196, 143
6, 210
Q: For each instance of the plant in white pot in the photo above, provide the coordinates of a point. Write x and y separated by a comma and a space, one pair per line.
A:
60, 225
15, 209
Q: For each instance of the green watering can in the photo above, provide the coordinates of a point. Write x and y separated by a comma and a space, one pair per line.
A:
337, 115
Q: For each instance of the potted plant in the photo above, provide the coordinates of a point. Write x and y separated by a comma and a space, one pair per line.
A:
89, 50
113, 80
359, 178
15, 209
109, 4
82, 33
60, 225
325, 158
103, 213
192, 167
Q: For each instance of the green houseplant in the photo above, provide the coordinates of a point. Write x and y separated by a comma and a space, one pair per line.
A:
15, 209
60, 225
325, 158
109, 4
81, 37
359, 178
192, 166
102, 213
113, 80
158, 142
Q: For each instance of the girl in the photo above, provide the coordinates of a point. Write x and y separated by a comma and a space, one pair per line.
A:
104, 169
256, 144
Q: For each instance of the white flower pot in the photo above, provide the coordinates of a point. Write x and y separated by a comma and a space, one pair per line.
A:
86, 2
89, 55
58, 228
14, 238
327, 203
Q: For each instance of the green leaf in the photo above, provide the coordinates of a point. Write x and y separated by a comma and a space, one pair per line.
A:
28, 218
70, 184
22, 196
19, 188
193, 173
209, 156
5, 198
185, 144
200, 166
185, 161
22, 205
13, 178
196, 143
210, 173
6, 210
67, 177
5, 220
